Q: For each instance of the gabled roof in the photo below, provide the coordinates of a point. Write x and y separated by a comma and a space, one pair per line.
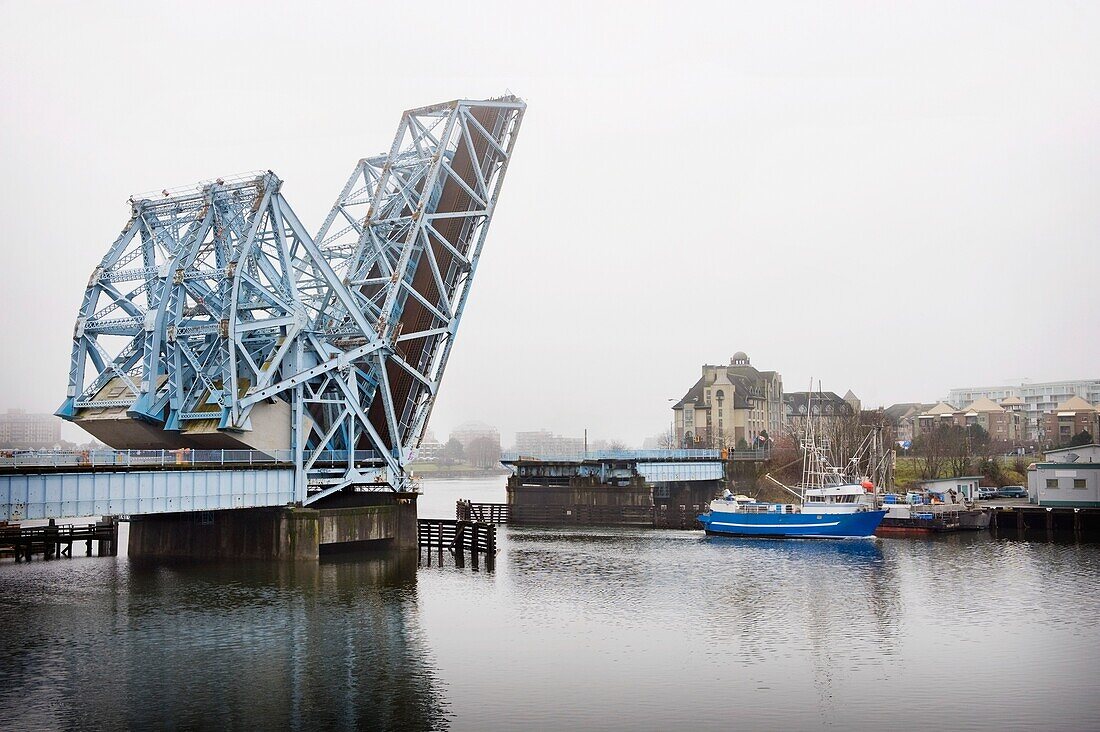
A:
694, 394
940, 409
742, 388
850, 395
1069, 449
827, 403
984, 405
1013, 401
905, 409
1075, 404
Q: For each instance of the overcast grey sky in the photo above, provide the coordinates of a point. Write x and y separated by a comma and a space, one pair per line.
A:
895, 198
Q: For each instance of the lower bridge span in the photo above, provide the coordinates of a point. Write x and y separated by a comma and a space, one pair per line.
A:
28, 496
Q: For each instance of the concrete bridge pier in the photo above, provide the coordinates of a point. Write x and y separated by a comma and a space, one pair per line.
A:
342, 522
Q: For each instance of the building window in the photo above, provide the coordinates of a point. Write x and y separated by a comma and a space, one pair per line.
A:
660, 491
1078, 482
1052, 482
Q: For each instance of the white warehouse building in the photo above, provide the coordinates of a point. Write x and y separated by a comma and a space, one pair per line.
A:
1069, 477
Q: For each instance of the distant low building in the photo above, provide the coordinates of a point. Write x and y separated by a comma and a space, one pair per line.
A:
19, 430
545, 444
965, 486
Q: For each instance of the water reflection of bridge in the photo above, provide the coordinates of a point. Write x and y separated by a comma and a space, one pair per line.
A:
334, 644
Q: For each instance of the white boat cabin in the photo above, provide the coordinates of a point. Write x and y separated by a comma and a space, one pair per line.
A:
831, 499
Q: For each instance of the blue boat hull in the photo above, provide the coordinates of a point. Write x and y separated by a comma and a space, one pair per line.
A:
788, 525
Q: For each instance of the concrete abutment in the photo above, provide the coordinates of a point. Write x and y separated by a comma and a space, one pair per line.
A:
344, 521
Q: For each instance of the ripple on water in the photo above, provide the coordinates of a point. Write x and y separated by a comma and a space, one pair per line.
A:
602, 629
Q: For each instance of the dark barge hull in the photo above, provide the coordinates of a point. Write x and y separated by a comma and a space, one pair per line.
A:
975, 520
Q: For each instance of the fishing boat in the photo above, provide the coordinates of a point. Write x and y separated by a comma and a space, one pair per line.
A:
840, 514
833, 504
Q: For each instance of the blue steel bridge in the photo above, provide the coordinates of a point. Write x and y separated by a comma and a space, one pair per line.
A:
233, 358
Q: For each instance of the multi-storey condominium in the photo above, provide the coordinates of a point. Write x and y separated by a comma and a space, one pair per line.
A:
21, 430
1039, 399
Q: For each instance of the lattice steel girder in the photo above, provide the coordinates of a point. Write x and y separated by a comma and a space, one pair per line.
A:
420, 241
214, 303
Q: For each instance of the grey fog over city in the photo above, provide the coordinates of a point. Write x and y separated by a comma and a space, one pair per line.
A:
550, 366
896, 199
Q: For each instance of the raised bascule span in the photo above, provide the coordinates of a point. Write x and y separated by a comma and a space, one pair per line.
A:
216, 321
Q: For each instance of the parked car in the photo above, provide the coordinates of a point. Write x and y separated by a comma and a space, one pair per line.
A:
1012, 491
984, 494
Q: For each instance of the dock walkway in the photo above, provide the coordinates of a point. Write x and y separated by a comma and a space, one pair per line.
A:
56, 540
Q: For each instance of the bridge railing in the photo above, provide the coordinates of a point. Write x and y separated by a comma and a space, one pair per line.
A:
637, 455
178, 458
137, 458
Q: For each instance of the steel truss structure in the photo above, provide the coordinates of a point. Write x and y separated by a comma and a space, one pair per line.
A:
217, 320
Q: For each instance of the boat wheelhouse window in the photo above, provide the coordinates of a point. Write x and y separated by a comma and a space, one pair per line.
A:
1052, 482
1078, 482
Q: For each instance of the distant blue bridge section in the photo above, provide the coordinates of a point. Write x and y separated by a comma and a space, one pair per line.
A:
639, 456
656, 466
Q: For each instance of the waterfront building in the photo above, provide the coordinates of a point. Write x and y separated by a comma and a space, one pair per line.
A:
825, 407
1070, 418
730, 405
20, 430
1038, 399
1068, 476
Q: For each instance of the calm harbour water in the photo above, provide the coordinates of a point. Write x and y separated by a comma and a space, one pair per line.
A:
594, 629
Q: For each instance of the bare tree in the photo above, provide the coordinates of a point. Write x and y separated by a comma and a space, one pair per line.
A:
483, 452
667, 439
932, 450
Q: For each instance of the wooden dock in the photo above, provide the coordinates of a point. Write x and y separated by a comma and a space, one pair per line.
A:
56, 540
457, 537
485, 513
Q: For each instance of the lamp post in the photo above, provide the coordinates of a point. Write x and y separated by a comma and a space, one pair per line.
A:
672, 427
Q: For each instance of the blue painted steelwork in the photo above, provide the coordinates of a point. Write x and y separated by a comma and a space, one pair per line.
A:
216, 320
778, 524
27, 496
670, 472
511, 457
639, 455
